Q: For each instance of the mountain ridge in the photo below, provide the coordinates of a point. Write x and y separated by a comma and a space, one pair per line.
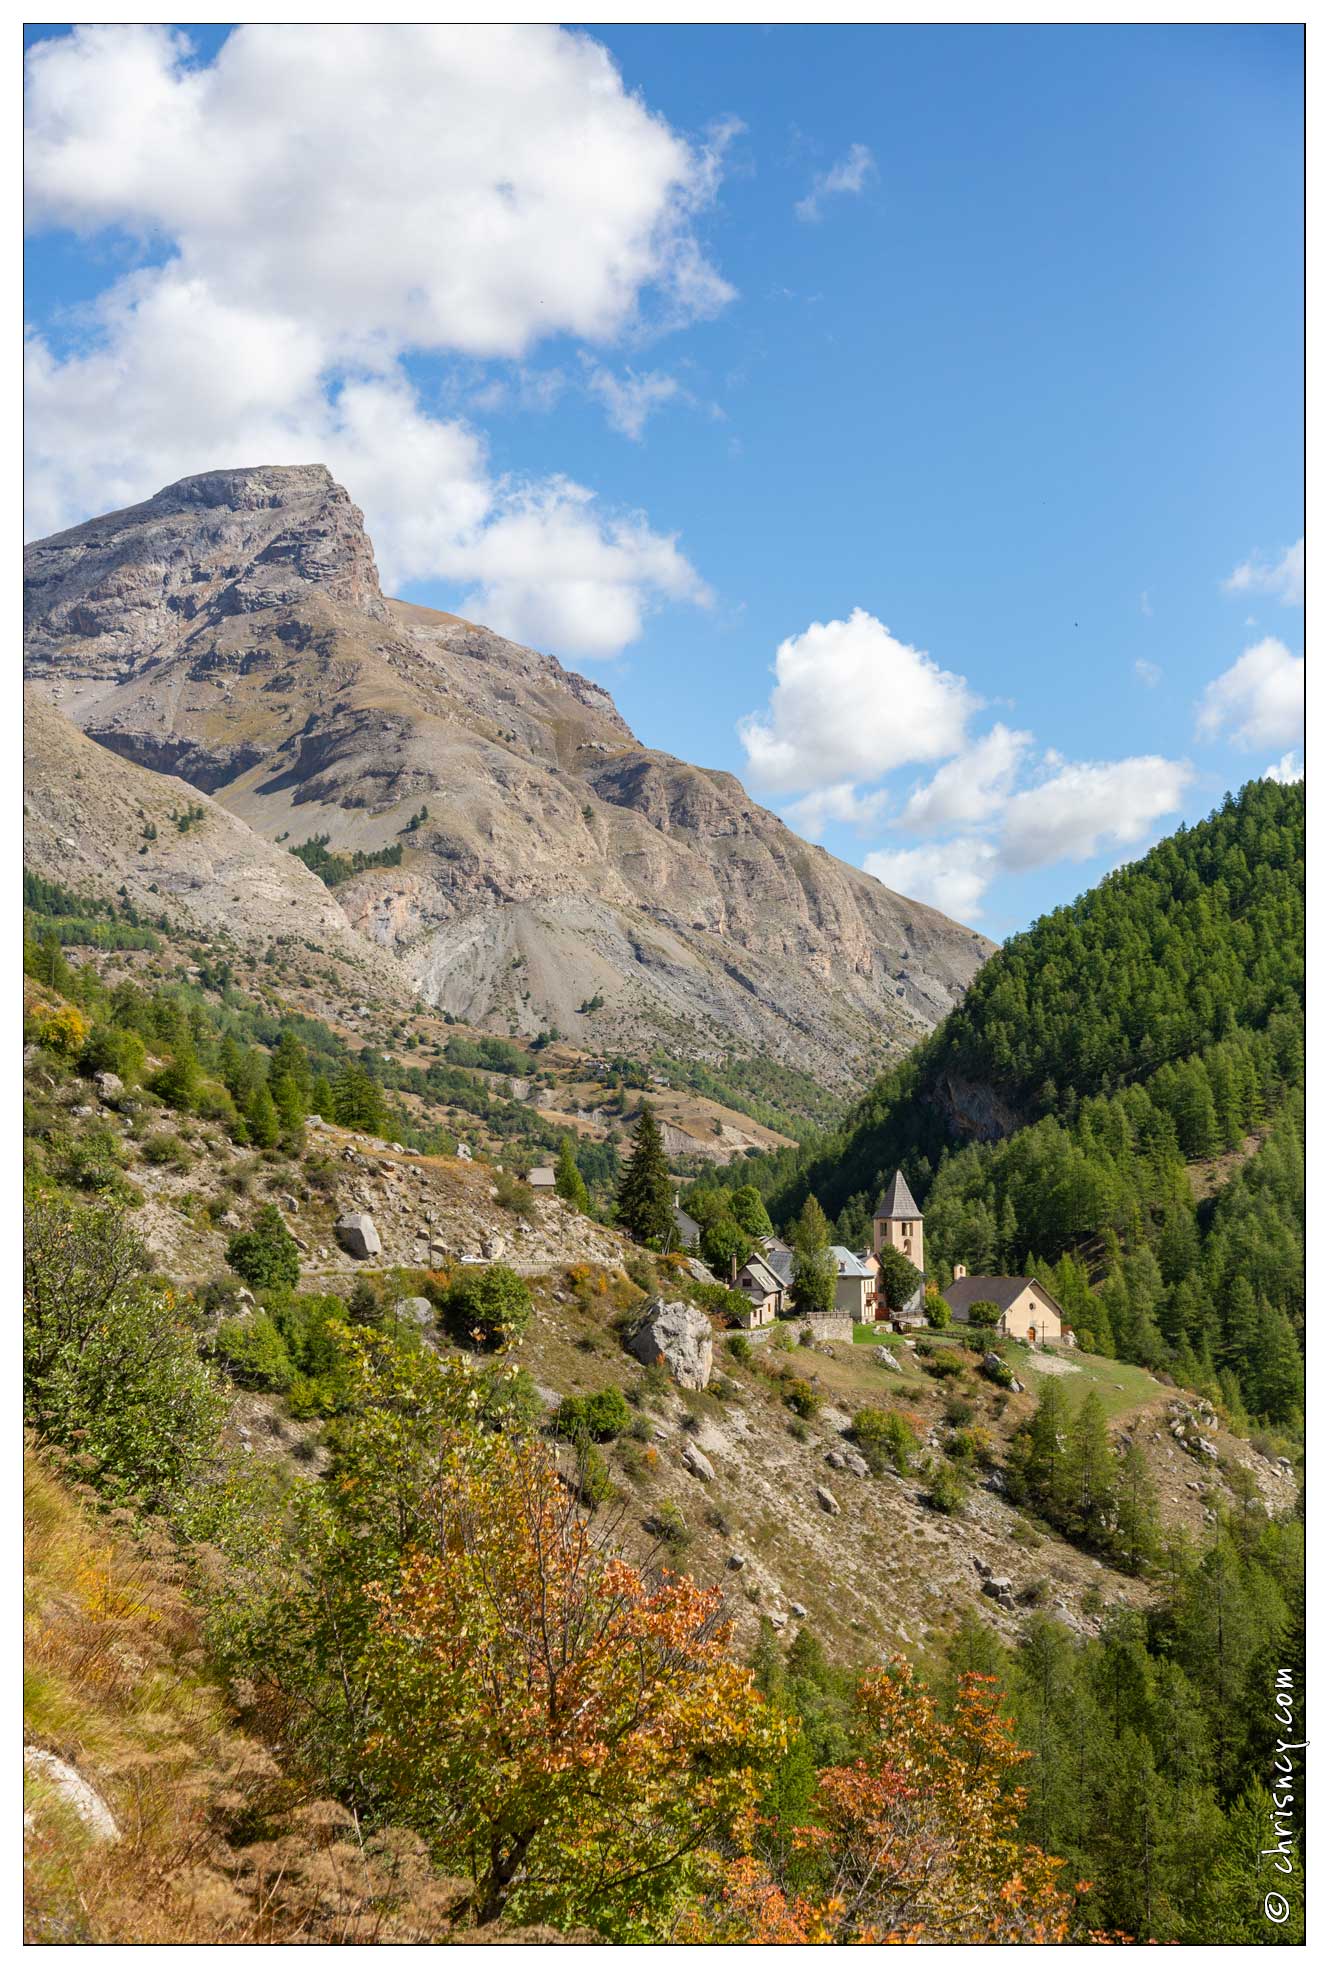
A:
232, 630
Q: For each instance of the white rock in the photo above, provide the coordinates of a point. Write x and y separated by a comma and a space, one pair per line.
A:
699, 1464
827, 1502
75, 1791
678, 1335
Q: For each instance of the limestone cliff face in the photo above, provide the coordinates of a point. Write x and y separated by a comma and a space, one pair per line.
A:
232, 631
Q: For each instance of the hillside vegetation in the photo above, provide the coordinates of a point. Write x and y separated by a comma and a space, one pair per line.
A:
854, 1642
1055, 1120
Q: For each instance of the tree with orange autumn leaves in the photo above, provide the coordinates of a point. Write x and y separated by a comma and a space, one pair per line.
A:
561, 1727
471, 1655
914, 1841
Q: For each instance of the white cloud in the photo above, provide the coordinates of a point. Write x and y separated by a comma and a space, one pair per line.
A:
549, 571
951, 875
433, 187
631, 398
971, 787
850, 703
1146, 606
845, 803
1259, 701
1148, 673
847, 178
1083, 809
1284, 578
1287, 770
541, 560
332, 200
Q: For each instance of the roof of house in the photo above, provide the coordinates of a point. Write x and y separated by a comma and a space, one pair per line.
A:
848, 1264
541, 1179
897, 1201
687, 1227
781, 1260
962, 1293
762, 1274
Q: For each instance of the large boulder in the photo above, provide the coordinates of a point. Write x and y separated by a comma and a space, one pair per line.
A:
885, 1357
358, 1235
698, 1463
677, 1334
417, 1309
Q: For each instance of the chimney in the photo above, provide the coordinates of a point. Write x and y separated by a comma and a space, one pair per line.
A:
959, 1272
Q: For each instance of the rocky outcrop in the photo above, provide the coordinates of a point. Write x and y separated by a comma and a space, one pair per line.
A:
678, 1335
125, 589
231, 631
357, 1235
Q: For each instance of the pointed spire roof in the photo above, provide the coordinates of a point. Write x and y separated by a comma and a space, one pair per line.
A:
897, 1201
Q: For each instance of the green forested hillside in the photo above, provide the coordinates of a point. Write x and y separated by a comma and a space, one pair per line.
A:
1124, 1044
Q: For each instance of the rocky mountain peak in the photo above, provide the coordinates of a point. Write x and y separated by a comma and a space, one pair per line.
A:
119, 591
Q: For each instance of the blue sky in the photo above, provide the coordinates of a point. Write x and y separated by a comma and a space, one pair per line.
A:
981, 348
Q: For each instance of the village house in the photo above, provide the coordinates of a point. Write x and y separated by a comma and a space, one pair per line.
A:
1028, 1310
764, 1289
688, 1229
855, 1284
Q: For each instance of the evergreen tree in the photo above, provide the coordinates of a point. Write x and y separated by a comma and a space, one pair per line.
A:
568, 1179
813, 1284
646, 1193
1089, 1474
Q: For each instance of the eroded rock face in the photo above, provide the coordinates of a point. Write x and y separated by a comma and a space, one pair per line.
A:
677, 1334
231, 631
131, 585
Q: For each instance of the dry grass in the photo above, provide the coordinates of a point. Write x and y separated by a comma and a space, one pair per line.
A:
218, 1843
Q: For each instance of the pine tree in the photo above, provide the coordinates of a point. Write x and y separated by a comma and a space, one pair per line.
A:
1136, 1532
1089, 1473
645, 1195
813, 1284
568, 1179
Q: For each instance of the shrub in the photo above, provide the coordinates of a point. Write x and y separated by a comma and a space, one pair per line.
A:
255, 1353
958, 1411
973, 1446
113, 1049
943, 1367
668, 1524
163, 1147
740, 1349
998, 1372
595, 1486
782, 1338
803, 1398
61, 1029
641, 1270
267, 1255
109, 1370
722, 1301
984, 1313
514, 1195
945, 1488
489, 1305
885, 1440
936, 1312
93, 1161
177, 1083
596, 1418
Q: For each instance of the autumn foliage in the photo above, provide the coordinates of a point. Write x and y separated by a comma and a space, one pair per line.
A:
562, 1727
914, 1841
